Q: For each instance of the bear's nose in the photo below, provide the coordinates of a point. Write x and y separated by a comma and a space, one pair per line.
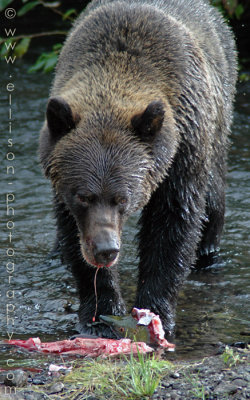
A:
105, 257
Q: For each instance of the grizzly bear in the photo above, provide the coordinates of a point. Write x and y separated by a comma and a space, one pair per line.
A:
138, 118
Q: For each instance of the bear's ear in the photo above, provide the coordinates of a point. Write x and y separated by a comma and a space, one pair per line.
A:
150, 121
60, 118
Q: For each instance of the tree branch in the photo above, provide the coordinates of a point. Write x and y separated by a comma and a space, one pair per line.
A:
34, 35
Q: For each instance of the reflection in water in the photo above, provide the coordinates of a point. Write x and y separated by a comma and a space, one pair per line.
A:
213, 304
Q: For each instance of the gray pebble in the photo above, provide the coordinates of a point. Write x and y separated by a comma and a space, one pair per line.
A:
175, 375
226, 388
56, 387
16, 378
38, 381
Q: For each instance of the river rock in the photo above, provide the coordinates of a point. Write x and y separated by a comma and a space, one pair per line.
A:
29, 396
227, 388
56, 387
16, 378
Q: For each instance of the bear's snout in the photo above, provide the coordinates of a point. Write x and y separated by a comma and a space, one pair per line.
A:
102, 249
105, 256
106, 247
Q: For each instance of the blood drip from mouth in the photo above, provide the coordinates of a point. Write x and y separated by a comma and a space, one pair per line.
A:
96, 297
95, 288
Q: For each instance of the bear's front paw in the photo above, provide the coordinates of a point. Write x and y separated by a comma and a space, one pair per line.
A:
95, 330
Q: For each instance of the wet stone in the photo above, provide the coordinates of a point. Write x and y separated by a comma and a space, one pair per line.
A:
16, 378
38, 381
56, 388
227, 388
175, 375
29, 396
2, 376
34, 396
240, 382
166, 385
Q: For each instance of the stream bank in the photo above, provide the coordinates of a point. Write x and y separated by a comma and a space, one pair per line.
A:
223, 376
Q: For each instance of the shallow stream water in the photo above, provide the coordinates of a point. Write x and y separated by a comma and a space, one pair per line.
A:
39, 296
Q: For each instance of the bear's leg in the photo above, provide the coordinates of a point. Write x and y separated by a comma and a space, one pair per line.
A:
109, 300
168, 240
207, 253
108, 297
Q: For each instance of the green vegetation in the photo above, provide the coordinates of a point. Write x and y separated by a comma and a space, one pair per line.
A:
131, 378
198, 389
128, 379
18, 46
139, 377
229, 357
29, 5
47, 61
229, 8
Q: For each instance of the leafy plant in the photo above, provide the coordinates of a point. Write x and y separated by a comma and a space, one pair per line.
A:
47, 61
230, 8
198, 390
4, 4
229, 357
27, 7
18, 46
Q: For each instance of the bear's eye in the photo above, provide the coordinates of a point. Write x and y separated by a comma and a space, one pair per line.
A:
85, 200
121, 200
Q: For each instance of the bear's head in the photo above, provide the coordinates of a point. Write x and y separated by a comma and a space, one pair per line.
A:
103, 170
